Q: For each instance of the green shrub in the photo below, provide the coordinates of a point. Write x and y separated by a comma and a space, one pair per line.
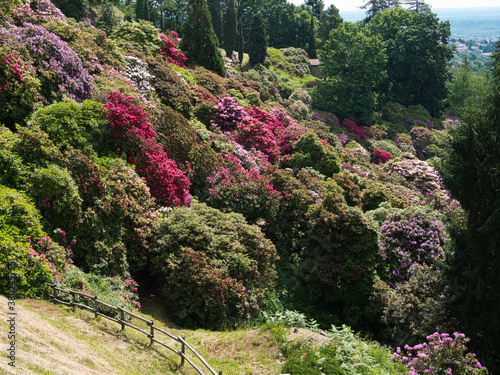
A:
171, 89
212, 268
75, 125
28, 259
342, 252
13, 172
210, 81
309, 151
141, 36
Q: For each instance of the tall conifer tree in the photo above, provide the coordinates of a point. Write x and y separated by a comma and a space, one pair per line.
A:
139, 9
230, 32
216, 14
199, 42
312, 41
258, 40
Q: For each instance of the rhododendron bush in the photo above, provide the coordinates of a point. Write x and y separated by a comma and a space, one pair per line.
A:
212, 268
58, 67
170, 53
234, 188
409, 237
134, 136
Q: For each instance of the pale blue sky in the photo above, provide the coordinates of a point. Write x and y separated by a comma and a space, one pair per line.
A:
435, 4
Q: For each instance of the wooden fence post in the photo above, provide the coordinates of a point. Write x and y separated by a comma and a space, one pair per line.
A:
152, 336
95, 305
54, 293
122, 317
183, 350
73, 300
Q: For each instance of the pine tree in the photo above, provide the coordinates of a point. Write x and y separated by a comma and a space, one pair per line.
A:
258, 40
215, 12
312, 41
199, 42
316, 7
230, 28
241, 42
139, 9
472, 173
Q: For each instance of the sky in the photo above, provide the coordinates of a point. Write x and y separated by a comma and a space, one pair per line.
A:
435, 4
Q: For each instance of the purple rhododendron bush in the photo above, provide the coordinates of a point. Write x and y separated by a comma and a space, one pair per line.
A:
129, 171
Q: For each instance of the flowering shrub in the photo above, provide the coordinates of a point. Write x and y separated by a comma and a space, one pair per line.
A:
227, 114
415, 307
20, 229
114, 290
137, 70
342, 253
18, 87
212, 268
352, 127
233, 188
59, 68
134, 136
36, 12
422, 175
409, 237
171, 88
141, 36
441, 354
170, 53
381, 157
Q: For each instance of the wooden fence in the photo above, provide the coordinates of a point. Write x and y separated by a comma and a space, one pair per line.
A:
126, 322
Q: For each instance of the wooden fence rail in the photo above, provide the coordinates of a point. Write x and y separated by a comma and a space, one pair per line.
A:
126, 322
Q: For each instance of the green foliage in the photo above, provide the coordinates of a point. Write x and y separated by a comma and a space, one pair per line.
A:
289, 318
141, 36
199, 42
18, 87
23, 270
309, 151
358, 356
342, 253
115, 291
230, 33
210, 81
75, 125
354, 62
171, 89
257, 44
419, 75
13, 172
212, 268
416, 307
56, 194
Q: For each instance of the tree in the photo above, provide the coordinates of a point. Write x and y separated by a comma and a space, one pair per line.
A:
139, 9
258, 40
316, 6
216, 13
418, 52
417, 5
199, 42
329, 19
311, 50
241, 42
467, 89
230, 33
472, 174
354, 64
373, 6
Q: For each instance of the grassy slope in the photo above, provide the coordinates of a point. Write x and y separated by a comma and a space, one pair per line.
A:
51, 339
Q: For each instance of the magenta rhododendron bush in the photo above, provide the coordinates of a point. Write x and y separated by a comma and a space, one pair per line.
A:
134, 135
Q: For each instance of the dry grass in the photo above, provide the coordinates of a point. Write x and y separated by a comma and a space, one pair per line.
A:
52, 339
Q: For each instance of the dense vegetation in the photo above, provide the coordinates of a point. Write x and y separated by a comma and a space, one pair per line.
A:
237, 193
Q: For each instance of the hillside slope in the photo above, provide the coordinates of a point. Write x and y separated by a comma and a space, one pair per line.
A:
51, 339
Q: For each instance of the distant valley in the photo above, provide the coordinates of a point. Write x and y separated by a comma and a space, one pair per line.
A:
465, 22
